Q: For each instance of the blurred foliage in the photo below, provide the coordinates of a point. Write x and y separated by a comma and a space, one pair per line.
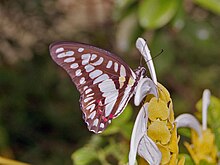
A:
213, 117
40, 119
110, 147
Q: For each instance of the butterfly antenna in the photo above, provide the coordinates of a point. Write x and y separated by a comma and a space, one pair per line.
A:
152, 59
156, 55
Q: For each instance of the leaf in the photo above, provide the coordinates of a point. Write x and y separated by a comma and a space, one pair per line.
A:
84, 156
188, 159
125, 116
118, 124
212, 5
184, 132
154, 14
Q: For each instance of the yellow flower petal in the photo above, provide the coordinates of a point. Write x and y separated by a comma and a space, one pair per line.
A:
173, 159
148, 98
158, 109
165, 153
204, 147
163, 93
181, 161
191, 152
173, 144
171, 117
158, 131
142, 161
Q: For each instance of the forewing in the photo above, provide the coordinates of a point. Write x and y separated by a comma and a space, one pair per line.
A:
104, 81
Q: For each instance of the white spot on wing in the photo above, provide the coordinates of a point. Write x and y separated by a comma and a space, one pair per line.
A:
61, 55
90, 95
90, 102
108, 108
70, 59
92, 115
80, 49
74, 65
126, 97
85, 87
107, 87
58, 50
122, 71
93, 57
116, 66
78, 72
102, 125
85, 58
69, 53
111, 97
101, 59
88, 90
95, 74
87, 99
109, 64
89, 68
91, 107
100, 78
82, 80
95, 123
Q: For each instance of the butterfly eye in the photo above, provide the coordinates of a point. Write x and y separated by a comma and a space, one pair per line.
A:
143, 71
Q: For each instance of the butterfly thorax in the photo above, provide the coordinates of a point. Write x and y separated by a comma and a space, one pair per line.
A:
140, 72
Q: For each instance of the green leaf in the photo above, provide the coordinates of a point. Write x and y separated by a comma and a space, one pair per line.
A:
188, 159
156, 13
212, 5
125, 116
184, 132
84, 156
119, 123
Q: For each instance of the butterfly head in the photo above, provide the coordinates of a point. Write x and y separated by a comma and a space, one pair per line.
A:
140, 72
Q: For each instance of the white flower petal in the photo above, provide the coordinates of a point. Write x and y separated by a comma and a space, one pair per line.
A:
188, 120
148, 150
144, 50
138, 132
205, 105
145, 86
141, 142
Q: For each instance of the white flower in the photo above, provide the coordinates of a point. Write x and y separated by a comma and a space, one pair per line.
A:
141, 143
187, 120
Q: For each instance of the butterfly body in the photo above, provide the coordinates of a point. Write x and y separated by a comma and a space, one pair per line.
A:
105, 82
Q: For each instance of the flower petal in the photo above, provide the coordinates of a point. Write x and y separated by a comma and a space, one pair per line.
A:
205, 105
138, 132
187, 120
158, 131
148, 150
145, 86
144, 50
158, 109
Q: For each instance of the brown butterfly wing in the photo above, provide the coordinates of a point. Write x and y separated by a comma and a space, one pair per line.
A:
105, 82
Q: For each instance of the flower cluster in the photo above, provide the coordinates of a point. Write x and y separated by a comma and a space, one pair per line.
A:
154, 135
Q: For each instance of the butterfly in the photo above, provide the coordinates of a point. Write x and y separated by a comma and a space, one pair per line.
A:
105, 82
